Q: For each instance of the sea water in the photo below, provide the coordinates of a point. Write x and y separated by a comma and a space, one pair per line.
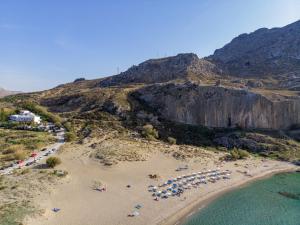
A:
273, 201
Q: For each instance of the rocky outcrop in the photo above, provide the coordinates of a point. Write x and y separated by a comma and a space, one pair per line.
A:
213, 106
265, 52
182, 66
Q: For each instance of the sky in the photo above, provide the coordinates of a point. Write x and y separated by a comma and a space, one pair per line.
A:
50, 42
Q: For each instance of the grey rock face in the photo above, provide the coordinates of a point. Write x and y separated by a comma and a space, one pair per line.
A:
264, 52
220, 107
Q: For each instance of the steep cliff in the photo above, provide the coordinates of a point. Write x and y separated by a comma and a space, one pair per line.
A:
220, 107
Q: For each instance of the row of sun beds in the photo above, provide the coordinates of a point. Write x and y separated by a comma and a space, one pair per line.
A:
177, 186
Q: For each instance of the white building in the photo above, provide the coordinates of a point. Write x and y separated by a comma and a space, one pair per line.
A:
26, 116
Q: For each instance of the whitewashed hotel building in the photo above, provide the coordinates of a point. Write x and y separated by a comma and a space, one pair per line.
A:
26, 116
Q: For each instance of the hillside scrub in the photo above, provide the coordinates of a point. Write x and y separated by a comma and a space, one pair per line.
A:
70, 136
53, 162
149, 132
172, 140
17, 144
43, 112
14, 213
20, 155
68, 126
237, 154
5, 113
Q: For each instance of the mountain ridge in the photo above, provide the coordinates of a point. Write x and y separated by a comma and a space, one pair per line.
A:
263, 52
4, 92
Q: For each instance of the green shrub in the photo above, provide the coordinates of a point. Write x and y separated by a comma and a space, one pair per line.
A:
149, 132
172, 140
3, 187
243, 154
5, 113
53, 161
20, 155
25, 171
236, 154
68, 126
70, 136
60, 173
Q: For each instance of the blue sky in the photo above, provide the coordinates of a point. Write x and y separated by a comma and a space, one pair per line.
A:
50, 42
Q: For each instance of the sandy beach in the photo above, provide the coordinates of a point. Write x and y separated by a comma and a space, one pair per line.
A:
81, 205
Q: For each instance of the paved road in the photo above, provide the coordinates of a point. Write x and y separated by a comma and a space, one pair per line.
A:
51, 150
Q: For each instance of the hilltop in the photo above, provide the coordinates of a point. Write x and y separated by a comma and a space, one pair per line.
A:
263, 53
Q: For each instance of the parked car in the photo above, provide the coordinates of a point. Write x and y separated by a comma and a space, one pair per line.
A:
29, 163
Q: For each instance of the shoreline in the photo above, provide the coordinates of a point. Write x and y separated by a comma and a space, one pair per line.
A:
80, 204
181, 216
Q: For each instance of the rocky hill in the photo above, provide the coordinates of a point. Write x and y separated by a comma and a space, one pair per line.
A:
179, 67
266, 52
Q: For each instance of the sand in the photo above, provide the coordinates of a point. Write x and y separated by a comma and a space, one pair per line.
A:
81, 205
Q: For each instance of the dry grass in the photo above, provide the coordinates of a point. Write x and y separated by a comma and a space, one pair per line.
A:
18, 144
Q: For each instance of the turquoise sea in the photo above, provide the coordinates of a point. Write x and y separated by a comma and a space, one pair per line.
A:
273, 201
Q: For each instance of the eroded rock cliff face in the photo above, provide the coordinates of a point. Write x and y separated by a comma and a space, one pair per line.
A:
265, 52
220, 107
